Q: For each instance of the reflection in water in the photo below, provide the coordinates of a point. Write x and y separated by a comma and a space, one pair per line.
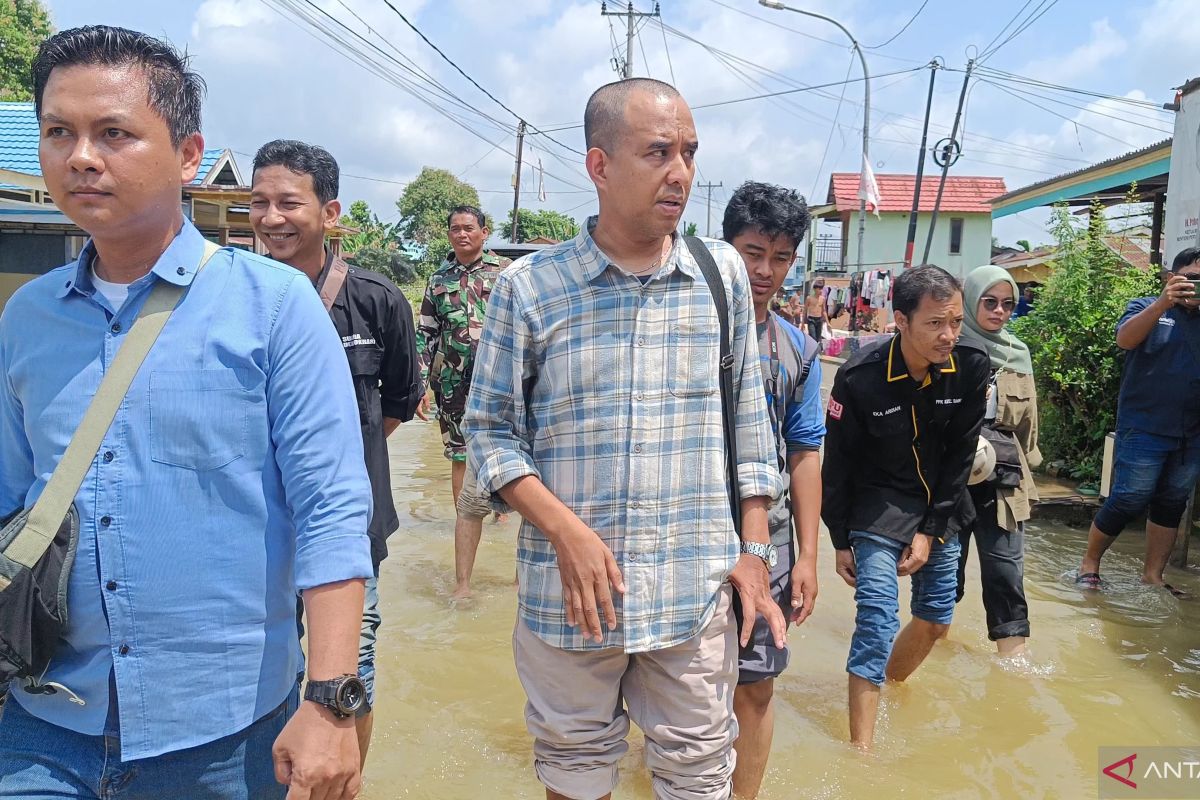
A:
1120, 667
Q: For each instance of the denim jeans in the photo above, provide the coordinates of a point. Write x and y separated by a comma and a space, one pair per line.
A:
1154, 472
41, 761
1001, 569
366, 642
877, 595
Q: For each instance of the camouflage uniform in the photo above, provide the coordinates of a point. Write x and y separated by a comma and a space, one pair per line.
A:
448, 334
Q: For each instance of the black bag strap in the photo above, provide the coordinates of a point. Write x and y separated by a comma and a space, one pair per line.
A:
729, 400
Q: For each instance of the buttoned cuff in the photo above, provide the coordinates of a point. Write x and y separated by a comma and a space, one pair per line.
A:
500, 469
759, 480
332, 559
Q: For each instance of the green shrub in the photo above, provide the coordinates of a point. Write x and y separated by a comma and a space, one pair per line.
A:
1071, 335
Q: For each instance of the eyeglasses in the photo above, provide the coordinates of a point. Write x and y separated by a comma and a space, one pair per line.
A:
990, 303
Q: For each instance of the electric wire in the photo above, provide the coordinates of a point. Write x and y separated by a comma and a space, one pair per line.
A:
473, 82
896, 35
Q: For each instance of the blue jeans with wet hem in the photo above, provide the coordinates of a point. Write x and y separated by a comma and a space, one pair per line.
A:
877, 595
1150, 472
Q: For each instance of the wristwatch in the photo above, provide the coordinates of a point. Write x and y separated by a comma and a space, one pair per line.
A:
764, 551
344, 695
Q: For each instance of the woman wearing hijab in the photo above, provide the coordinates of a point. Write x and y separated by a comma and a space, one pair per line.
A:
989, 297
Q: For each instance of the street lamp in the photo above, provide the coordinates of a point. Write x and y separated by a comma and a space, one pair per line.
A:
866, 142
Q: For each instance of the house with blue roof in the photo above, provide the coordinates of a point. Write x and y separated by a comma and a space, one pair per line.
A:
36, 237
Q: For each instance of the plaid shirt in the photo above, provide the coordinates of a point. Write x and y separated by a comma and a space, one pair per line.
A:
608, 391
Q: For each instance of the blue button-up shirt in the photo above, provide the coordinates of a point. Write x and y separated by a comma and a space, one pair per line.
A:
231, 478
608, 391
1160, 387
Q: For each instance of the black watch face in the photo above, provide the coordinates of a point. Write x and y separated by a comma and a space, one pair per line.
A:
351, 695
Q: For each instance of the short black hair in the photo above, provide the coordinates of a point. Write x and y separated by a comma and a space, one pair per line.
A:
176, 92
472, 210
915, 284
773, 210
1185, 258
302, 159
604, 116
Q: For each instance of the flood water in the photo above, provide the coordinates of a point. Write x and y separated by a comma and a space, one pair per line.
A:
1122, 668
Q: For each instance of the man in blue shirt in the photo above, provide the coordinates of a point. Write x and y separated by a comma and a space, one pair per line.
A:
231, 478
766, 224
1158, 423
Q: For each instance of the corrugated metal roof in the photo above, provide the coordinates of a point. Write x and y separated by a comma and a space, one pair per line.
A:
963, 194
19, 136
1164, 145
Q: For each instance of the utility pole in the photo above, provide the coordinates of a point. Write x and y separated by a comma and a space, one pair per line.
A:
916, 206
709, 187
630, 15
949, 155
517, 182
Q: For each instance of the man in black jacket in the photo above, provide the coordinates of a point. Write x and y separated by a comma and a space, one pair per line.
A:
903, 421
293, 205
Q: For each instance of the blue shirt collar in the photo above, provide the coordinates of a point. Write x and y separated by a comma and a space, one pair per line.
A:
593, 260
177, 264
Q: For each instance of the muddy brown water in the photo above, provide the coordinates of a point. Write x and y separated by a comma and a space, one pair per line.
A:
1118, 668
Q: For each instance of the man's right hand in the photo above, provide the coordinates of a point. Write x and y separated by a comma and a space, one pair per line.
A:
1177, 289
844, 559
424, 408
587, 569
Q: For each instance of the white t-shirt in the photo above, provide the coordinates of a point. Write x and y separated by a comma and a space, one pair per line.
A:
114, 292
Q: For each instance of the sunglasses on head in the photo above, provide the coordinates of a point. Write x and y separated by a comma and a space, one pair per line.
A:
990, 303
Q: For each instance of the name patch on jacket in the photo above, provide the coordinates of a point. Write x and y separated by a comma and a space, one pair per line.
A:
356, 340
891, 410
948, 401
835, 409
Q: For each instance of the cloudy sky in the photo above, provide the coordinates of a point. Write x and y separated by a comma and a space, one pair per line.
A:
396, 106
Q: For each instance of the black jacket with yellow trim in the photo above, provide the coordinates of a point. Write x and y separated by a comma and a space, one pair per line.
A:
897, 452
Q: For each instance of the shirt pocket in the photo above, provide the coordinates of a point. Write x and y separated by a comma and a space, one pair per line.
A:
364, 367
693, 358
197, 418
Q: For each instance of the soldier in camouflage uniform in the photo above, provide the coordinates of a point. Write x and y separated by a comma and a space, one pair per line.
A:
448, 332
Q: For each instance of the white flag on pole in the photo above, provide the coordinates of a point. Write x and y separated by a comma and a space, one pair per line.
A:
541, 181
868, 189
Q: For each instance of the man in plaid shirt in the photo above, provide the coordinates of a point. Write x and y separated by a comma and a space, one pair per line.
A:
595, 412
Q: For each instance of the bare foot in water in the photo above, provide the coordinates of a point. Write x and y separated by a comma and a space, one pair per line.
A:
462, 592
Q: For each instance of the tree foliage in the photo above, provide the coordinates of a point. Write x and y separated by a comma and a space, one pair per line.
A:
544, 222
376, 245
690, 229
24, 24
1071, 336
423, 208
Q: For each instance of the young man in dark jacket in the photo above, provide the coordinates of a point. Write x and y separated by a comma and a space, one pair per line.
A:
903, 421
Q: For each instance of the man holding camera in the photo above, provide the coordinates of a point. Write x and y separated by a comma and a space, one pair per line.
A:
1158, 422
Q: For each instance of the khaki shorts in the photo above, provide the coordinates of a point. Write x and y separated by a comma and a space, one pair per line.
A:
681, 697
472, 502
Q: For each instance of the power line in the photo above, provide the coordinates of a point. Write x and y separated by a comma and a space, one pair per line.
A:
1033, 17
1076, 123
832, 129
896, 35
998, 74
667, 50
1015, 16
1143, 121
802, 89
773, 24
331, 37
473, 82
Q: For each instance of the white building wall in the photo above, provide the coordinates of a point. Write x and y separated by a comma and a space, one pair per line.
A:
885, 238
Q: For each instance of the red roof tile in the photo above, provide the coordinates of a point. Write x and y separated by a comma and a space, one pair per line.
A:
964, 194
